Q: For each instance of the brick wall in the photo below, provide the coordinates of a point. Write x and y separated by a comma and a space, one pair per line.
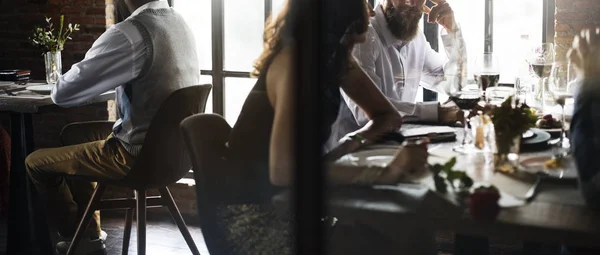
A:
571, 17
17, 20
19, 17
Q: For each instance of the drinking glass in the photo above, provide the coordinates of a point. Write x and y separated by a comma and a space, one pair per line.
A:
541, 59
561, 88
487, 73
466, 97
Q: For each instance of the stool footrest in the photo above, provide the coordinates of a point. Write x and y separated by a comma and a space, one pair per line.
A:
127, 203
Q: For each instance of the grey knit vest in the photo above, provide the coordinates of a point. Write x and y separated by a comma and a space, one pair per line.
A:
172, 64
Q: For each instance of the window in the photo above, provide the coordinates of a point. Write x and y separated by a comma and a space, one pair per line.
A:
510, 24
229, 39
229, 36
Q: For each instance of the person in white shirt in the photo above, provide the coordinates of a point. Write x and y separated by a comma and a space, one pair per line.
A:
398, 58
144, 58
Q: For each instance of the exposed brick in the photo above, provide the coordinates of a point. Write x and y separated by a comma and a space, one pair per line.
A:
96, 11
571, 16
562, 28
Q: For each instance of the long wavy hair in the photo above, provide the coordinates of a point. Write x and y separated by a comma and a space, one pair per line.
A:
340, 17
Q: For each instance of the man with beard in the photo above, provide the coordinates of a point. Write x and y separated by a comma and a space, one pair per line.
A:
144, 58
398, 58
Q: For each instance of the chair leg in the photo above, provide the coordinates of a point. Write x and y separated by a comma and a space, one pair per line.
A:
140, 196
170, 203
127, 232
87, 216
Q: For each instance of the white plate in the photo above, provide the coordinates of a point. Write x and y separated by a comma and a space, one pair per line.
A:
377, 157
537, 164
45, 89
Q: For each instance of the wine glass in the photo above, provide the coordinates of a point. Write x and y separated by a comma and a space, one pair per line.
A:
561, 88
487, 73
466, 97
541, 59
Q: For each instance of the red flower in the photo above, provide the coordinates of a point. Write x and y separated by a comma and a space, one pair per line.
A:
483, 203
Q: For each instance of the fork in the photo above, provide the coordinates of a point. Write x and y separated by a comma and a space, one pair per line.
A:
9, 93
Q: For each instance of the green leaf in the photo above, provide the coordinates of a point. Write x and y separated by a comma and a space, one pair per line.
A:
450, 164
440, 184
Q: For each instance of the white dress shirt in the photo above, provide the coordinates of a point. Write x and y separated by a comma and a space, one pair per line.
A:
114, 59
397, 68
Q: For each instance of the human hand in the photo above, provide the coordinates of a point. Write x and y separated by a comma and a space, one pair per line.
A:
585, 54
443, 14
370, 10
409, 163
449, 114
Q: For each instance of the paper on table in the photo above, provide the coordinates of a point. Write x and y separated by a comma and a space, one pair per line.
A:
26, 96
423, 131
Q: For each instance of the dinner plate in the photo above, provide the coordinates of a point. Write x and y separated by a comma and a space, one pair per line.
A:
376, 157
537, 164
538, 142
528, 134
45, 89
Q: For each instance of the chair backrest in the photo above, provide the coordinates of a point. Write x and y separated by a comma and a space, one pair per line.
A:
205, 136
163, 159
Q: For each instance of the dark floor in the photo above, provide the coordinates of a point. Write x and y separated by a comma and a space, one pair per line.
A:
164, 238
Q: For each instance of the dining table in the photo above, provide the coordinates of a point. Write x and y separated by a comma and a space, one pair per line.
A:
556, 214
27, 226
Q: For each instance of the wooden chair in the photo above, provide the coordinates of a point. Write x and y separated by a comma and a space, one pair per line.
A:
205, 136
161, 162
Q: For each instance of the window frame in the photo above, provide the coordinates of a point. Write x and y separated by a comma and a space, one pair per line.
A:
218, 72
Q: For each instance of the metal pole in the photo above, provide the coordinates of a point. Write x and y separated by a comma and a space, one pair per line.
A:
489, 27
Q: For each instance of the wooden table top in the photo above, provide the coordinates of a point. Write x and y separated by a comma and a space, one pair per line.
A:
27, 102
557, 214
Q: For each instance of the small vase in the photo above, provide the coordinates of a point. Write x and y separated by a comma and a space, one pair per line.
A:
53, 66
506, 157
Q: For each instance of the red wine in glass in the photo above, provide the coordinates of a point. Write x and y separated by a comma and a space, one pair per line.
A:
465, 100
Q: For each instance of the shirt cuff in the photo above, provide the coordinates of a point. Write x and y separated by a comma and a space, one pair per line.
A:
428, 111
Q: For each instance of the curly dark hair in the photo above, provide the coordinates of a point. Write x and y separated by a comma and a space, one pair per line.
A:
339, 17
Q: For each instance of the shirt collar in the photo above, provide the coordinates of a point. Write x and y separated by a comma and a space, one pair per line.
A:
151, 5
380, 24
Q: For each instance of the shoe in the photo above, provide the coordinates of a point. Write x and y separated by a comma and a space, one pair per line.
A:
85, 247
103, 236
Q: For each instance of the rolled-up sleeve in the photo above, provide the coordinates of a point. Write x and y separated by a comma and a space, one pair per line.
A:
366, 55
436, 63
109, 63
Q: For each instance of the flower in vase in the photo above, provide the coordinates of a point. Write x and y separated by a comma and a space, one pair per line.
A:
51, 39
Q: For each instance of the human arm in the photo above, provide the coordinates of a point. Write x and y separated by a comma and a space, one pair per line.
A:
281, 91
110, 62
367, 56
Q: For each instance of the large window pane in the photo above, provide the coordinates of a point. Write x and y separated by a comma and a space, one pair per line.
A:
510, 24
470, 15
197, 14
236, 91
244, 26
207, 79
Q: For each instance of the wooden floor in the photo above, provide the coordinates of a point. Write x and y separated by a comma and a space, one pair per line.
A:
164, 238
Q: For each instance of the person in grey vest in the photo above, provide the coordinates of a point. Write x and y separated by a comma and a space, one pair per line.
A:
398, 58
144, 59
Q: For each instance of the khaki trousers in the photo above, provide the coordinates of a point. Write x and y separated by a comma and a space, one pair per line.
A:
66, 200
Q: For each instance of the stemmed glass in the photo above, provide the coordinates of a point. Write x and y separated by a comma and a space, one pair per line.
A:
487, 73
541, 59
561, 88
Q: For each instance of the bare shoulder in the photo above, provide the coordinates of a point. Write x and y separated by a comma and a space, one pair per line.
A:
279, 73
